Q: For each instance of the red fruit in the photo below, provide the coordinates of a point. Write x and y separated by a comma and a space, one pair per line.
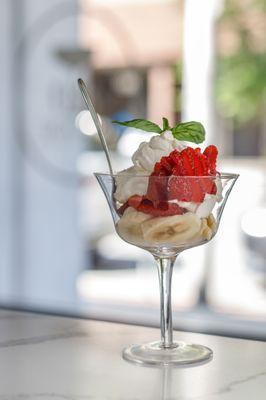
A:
122, 209
198, 164
135, 201
167, 165
170, 180
157, 209
163, 209
179, 189
201, 169
159, 170
185, 189
189, 189
178, 164
198, 192
211, 153
188, 162
174, 156
202, 163
157, 188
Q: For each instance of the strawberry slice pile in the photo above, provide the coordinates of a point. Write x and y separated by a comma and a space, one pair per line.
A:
186, 163
183, 176
154, 208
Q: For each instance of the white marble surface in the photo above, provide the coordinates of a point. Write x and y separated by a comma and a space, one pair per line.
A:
55, 358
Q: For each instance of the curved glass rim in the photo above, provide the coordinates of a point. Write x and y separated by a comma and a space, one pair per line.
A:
223, 175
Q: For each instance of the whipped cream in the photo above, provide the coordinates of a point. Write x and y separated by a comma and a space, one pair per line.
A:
149, 153
134, 180
202, 210
144, 159
131, 181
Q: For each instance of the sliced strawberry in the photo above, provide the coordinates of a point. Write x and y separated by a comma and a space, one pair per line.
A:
159, 170
179, 189
203, 161
178, 164
211, 153
198, 192
163, 209
135, 201
200, 170
187, 157
174, 157
191, 167
167, 165
166, 182
213, 189
157, 187
198, 165
157, 209
122, 209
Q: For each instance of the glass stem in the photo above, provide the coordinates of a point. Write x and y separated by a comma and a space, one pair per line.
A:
165, 270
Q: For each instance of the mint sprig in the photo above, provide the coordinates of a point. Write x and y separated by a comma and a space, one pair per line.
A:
189, 132
142, 124
166, 126
192, 131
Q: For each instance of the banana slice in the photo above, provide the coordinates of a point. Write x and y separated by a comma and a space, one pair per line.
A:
208, 227
176, 229
137, 227
129, 225
211, 221
205, 232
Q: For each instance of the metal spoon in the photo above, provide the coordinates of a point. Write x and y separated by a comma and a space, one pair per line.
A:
90, 106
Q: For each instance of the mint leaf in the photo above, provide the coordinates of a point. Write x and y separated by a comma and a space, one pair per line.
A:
143, 124
189, 131
166, 125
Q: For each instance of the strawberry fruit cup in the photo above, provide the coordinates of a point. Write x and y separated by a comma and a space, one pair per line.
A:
171, 199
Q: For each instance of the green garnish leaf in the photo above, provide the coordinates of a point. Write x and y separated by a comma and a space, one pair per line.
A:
142, 124
189, 131
166, 125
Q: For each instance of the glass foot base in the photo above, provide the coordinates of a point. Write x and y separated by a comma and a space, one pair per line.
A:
178, 355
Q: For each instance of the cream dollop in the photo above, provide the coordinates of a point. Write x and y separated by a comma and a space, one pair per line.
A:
131, 181
144, 159
134, 180
204, 209
149, 153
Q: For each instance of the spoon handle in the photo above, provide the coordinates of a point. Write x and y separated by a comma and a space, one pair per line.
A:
90, 106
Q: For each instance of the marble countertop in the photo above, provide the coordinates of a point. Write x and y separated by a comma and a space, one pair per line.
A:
56, 358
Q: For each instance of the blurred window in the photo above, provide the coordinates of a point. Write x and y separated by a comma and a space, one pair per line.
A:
59, 251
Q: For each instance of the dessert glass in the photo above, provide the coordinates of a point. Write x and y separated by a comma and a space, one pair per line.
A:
165, 236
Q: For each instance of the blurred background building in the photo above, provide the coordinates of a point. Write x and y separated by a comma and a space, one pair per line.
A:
144, 58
